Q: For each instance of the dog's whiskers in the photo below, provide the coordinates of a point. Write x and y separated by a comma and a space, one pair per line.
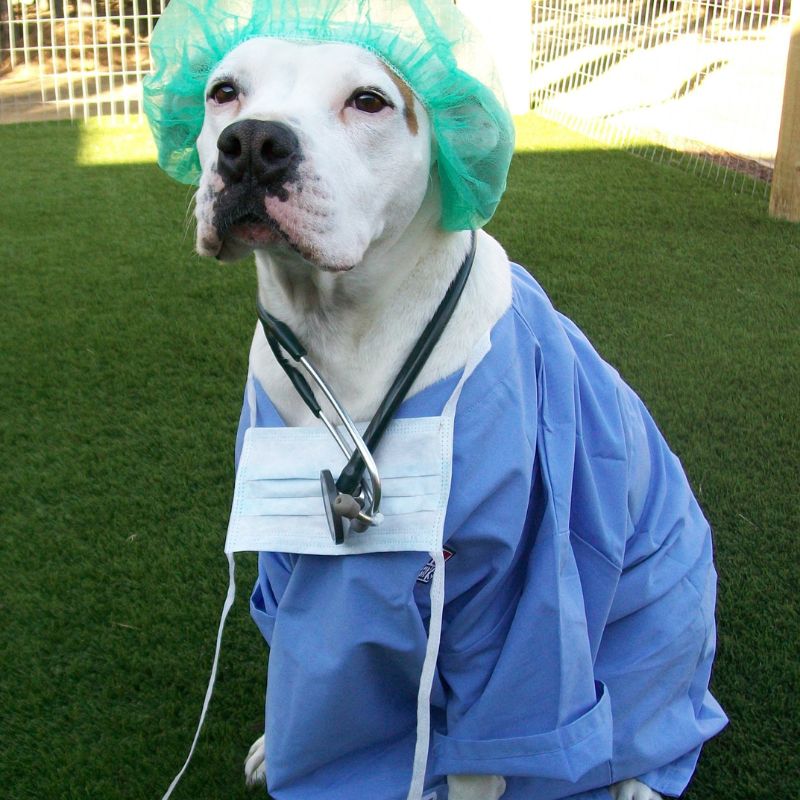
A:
191, 202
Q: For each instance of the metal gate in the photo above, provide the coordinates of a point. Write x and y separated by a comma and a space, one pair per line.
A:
73, 58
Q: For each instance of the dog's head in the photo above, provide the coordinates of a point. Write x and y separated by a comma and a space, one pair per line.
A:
316, 149
303, 138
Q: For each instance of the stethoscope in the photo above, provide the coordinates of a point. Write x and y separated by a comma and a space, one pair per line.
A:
353, 496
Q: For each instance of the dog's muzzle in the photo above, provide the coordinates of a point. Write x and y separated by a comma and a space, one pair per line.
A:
266, 154
256, 160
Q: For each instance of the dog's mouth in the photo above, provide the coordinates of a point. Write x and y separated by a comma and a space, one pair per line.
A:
253, 231
241, 224
251, 227
239, 215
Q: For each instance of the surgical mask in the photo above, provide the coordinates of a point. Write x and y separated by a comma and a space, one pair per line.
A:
277, 506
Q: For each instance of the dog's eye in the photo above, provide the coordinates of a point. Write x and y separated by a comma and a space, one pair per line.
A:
368, 101
224, 92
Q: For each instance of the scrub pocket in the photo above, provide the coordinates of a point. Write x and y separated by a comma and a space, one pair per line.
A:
569, 753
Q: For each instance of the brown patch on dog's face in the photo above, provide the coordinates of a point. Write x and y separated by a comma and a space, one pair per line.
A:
409, 113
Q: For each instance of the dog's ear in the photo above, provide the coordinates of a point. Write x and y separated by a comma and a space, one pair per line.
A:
483, 138
475, 141
176, 116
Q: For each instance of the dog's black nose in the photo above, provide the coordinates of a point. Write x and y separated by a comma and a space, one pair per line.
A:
267, 152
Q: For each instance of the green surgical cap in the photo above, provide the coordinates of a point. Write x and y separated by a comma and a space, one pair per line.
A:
428, 43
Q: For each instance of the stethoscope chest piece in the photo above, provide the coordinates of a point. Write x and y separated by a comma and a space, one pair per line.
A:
329, 497
340, 506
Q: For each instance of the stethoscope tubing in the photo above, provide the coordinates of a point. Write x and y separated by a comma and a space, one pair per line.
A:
361, 448
279, 335
360, 457
351, 474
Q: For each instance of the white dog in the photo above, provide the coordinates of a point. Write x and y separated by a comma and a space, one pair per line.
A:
318, 158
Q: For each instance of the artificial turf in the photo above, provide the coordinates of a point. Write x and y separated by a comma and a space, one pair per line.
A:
123, 360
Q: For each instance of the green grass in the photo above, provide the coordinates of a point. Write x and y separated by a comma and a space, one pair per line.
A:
123, 360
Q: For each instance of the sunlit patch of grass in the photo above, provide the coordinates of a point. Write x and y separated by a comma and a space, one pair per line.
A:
544, 136
103, 142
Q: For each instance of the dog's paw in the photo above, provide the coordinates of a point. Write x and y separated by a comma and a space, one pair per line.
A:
475, 787
633, 790
255, 768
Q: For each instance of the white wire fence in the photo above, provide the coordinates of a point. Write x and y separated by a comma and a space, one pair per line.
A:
73, 58
693, 82
697, 82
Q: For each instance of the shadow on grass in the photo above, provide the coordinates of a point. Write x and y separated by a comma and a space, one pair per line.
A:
124, 358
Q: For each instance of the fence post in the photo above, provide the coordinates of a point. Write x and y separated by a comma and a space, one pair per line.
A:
784, 201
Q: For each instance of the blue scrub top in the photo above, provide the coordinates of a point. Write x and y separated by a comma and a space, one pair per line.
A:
578, 631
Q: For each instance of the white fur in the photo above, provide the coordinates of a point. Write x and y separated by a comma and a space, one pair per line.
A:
360, 262
359, 185
633, 790
475, 787
255, 768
